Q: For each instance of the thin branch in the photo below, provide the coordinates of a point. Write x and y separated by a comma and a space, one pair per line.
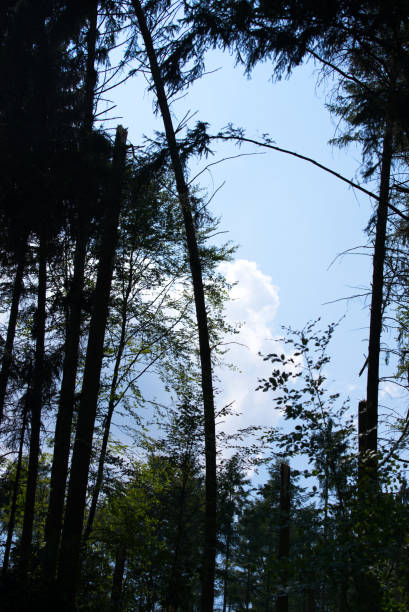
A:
311, 161
219, 161
347, 76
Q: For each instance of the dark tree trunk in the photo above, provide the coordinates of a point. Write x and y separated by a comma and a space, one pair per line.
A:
68, 572
35, 397
117, 579
226, 572
362, 442
173, 597
375, 328
62, 437
110, 412
247, 598
90, 73
284, 536
310, 601
16, 487
11, 328
209, 549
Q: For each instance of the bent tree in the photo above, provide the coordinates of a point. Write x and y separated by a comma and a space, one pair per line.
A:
209, 551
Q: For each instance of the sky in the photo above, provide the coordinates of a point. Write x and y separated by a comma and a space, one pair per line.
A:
291, 222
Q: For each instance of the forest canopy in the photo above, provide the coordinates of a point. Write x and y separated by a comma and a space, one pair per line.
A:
116, 277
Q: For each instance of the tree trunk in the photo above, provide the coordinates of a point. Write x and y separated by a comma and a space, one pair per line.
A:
62, 439
247, 600
11, 328
284, 536
226, 572
69, 567
310, 601
362, 443
209, 550
110, 412
35, 398
173, 597
16, 487
118, 577
375, 328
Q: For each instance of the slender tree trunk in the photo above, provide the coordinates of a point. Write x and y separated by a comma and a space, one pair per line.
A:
375, 328
62, 439
173, 597
247, 601
68, 572
209, 550
16, 487
110, 412
118, 577
284, 537
11, 328
226, 572
362, 443
35, 398
90, 71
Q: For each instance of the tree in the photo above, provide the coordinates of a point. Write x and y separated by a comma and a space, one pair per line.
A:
71, 536
209, 551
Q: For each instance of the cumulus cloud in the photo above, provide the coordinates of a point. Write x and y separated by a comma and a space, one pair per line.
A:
254, 303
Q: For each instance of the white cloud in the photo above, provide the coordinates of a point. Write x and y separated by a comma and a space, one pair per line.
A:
390, 390
254, 302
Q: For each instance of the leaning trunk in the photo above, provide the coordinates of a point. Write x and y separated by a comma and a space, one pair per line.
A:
375, 328
62, 437
209, 549
34, 409
71, 537
16, 487
11, 328
110, 413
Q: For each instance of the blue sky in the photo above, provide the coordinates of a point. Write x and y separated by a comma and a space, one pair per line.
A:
289, 219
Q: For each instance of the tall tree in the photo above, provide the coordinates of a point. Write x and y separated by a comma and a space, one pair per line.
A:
209, 551
35, 395
62, 437
69, 566
12, 323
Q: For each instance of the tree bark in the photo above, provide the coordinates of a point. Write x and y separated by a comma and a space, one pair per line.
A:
375, 328
284, 536
35, 398
11, 328
209, 550
16, 487
68, 571
62, 439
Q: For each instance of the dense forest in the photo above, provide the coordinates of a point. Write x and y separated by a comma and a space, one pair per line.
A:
110, 271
